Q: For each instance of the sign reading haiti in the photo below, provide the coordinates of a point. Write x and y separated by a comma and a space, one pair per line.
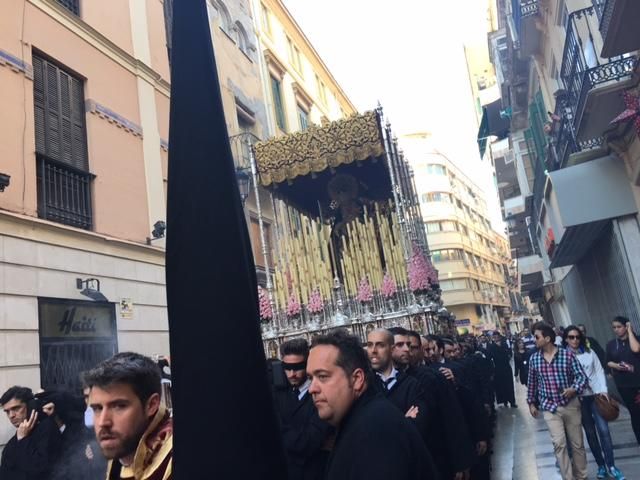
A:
62, 320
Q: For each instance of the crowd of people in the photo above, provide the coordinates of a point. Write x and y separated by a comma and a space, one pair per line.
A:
400, 405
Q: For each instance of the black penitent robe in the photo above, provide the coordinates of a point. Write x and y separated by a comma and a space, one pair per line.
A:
404, 394
303, 435
446, 435
503, 373
376, 442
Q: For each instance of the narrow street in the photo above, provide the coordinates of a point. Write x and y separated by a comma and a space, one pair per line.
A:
523, 450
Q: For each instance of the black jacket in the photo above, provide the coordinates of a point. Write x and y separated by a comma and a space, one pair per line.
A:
303, 434
73, 463
33, 457
404, 394
446, 435
376, 442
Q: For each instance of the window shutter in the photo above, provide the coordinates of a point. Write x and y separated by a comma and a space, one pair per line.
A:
59, 115
39, 104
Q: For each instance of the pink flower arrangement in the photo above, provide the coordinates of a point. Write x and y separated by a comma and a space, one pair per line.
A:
364, 291
293, 306
266, 312
419, 270
315, 305
388, 288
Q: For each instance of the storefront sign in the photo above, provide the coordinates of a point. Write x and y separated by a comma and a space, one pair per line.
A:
76, 320
463, 322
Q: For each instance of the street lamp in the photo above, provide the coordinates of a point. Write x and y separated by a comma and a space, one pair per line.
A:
244, 183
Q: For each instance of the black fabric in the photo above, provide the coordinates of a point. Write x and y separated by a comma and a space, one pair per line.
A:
503, 375
33, 457
446, 433
211, 281
620, 351
376, 442
631, 398
521, 365
404, 394
304, 436
73, 463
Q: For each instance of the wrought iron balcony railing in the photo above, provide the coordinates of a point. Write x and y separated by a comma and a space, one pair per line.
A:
64, 193
528, 7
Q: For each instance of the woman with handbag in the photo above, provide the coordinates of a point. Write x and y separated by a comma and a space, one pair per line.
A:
595, 426
623, 358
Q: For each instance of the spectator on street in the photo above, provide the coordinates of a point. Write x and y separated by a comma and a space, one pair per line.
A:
33, 450
555, 379
623, 358
595, 427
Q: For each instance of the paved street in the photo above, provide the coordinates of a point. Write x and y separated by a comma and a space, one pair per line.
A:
523, 450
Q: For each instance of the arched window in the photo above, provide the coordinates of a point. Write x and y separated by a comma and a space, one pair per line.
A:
243, 38
225, 19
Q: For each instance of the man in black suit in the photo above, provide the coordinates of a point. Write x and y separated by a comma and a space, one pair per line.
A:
401, 389
306, 438
374, 441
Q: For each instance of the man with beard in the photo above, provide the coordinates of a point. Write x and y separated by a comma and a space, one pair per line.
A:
374, 440
133, 428
401, 390
446, 434
306, 438
31, 453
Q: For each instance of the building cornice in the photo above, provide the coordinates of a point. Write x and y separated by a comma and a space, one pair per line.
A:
303, 98
38, 230
275, 65
90, 35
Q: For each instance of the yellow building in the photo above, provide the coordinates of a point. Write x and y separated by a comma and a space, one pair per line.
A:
298, 86
472, 259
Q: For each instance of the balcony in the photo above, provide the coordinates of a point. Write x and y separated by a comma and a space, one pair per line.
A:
64, 194
618, 26
591, 98
526, 22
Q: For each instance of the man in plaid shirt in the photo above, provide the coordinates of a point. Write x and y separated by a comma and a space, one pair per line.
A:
555, 379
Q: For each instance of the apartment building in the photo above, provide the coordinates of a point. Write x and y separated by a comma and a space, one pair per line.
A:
571, 85
472, 259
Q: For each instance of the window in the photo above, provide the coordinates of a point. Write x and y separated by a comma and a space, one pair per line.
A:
278, 105
322, 90
64, 183
438, 197
436, 169
266, 20
294, 56
447, 255
243, 39
303, 118
455, 284
449, 226
72, 5
225, 19
433, 227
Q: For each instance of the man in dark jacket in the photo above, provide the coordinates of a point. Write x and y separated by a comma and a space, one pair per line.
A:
399, 388
306, 438
33, 450
374, 440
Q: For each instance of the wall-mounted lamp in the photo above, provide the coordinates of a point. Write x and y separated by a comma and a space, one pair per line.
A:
158, 231
4, 181
244, 183
91, 289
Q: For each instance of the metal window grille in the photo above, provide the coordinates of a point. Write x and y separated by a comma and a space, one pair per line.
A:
72, 5
64, 194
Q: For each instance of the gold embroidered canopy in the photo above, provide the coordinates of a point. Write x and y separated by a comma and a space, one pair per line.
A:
316, 149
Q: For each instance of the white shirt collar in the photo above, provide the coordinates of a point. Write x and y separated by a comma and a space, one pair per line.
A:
393, 374
304, 388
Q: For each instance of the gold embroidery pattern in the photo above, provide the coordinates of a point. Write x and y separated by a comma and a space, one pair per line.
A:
341, 142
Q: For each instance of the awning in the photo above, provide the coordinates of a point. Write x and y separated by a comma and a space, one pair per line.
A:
494, 123
585, 211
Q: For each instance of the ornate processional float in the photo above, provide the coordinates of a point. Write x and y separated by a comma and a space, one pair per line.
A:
350, 249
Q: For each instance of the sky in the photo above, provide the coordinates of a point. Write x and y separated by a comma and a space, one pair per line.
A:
409, 56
